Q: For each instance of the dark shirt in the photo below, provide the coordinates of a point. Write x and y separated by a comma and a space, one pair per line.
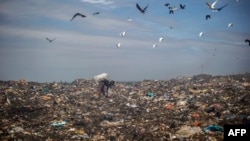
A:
105, 84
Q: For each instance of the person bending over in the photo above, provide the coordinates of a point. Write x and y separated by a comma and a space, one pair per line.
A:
104, 86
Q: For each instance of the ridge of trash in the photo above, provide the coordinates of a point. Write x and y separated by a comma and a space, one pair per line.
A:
192, 108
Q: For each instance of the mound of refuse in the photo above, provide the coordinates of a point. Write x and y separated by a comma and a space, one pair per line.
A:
183, 108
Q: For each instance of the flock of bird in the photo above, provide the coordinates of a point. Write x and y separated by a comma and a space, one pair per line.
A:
172, 9
74, 16
214, 9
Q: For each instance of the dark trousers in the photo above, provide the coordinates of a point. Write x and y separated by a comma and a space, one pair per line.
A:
101, 88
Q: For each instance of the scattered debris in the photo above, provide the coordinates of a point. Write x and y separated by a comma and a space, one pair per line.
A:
192, 108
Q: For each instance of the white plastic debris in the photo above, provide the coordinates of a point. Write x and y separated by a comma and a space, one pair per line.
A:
187, 131
100, 77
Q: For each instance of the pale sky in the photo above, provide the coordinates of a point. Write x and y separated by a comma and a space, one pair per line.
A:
86, 46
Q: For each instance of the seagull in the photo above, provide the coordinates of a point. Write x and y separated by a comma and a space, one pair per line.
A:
122, 33
211, 6
208, 17
50, 40
118, 45
96, 13
130, 20
154, 45
230, 25
140, 9
182, 6
161, 39
247, 40
201, 34
77, 14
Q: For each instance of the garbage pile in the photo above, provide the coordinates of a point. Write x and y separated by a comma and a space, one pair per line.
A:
184, 108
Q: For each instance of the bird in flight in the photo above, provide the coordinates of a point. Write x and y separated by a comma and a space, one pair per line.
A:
230, 25
172, 9
219, 9
201, 34
171, 12
161, 39
96, 13
154, 45
118, 45
122, 33
182, 6
77, 14
130, 20
140, 9
212, 6
208, 17
167, 4
247, 40
50, 40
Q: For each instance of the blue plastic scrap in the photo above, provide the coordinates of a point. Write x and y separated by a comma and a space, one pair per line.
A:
212, 128
150, 94
58, 124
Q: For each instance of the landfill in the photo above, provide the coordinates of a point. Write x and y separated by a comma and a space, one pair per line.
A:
182, 108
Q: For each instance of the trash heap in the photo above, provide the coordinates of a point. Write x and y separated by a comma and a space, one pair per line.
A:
184, 108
